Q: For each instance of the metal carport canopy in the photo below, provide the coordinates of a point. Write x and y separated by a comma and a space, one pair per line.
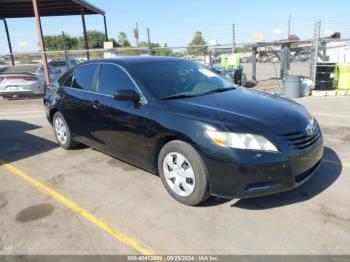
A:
24, 8
40, 8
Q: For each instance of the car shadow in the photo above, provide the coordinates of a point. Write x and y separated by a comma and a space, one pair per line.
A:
325, 176
16, 143
214, 201
22, 97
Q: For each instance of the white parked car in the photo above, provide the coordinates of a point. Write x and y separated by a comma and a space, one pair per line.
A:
25, 80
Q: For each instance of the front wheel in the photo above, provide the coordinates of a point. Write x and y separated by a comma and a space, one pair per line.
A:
62, 132
183, 173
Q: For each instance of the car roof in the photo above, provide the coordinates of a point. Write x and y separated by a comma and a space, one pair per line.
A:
130, 60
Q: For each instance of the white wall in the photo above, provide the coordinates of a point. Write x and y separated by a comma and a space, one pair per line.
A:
338, 52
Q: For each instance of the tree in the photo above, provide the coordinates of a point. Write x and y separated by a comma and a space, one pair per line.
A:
197, 40
123, 40
164, 51
145, 45
95, 40
157, 49
56, 42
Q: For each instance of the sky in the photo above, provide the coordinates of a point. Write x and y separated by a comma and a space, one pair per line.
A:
175, 21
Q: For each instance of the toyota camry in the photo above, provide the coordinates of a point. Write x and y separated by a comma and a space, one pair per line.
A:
202, 134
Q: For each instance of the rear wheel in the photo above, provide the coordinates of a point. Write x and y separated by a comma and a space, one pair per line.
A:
7, 96
62, 132
183, 173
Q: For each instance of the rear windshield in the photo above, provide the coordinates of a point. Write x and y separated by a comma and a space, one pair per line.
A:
58, 63
31, 69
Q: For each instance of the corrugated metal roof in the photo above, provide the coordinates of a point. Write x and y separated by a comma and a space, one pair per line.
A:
24, 8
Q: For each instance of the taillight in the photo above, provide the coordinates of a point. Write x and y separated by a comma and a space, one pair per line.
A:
25, 78
30, 78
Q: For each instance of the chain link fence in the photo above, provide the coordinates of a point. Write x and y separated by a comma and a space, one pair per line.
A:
26, 80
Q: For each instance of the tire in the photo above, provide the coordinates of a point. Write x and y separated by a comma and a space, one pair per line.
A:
6, 96
191, 171
63, 134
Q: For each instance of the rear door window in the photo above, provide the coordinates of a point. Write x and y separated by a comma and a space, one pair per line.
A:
84, 78
73, 63
112, 78
68, 81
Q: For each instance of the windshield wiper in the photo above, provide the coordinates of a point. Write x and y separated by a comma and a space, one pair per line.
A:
177, 96
219, 90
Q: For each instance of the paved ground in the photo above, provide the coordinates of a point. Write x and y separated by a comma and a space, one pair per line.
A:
267, 75
313, 219
265, 71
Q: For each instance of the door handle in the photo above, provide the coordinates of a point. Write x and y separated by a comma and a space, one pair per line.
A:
96, 104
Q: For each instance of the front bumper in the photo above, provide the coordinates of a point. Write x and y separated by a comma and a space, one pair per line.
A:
254, 174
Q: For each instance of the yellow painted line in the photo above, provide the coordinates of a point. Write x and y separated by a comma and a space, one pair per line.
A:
332, 115
77, 209
21, 112
19, 117
336, 163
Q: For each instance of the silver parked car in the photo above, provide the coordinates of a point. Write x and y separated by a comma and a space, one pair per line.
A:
62, 66
25, 80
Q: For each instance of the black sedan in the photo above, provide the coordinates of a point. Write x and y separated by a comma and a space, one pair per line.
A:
200, 133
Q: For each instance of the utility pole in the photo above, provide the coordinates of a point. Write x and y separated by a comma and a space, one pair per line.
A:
233, 38
149, 42
137, 35
289, 23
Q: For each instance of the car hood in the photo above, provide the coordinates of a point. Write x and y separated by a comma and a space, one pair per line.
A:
242, 109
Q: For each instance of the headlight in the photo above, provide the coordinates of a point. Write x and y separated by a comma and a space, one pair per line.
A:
241, 141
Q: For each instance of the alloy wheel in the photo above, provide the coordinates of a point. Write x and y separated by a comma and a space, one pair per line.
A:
61, 130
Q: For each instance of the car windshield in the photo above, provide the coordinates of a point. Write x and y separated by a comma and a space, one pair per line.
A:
180, 79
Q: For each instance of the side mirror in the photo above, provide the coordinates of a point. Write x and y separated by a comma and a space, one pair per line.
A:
127, 95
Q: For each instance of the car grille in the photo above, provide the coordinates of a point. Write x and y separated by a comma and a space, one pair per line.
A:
300, 140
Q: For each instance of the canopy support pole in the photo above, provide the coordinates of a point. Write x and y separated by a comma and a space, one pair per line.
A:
9, 42
86, 43
41, 40
105, 24
254, 52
